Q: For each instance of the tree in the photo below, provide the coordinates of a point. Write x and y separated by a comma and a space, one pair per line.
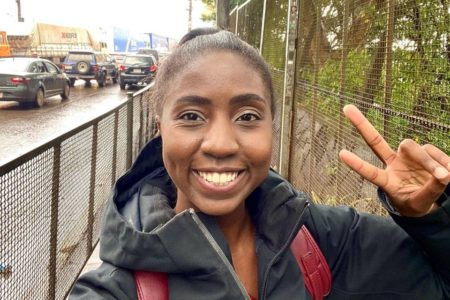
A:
209, 14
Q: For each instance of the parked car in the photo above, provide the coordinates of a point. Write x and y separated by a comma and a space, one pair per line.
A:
137, 69
30, 80
150, 51
88, 65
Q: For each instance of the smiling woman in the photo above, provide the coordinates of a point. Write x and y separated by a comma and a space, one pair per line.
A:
202, 206
217, 120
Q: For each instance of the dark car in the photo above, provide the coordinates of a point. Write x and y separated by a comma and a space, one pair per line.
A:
89, 65
137, 69
30, 80
150, 51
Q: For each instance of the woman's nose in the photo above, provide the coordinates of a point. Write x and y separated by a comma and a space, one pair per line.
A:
220, 139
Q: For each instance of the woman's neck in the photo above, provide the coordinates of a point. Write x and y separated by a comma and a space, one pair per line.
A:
239, 231
237, 226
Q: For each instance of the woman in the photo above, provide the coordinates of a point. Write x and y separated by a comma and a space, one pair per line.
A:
201, 204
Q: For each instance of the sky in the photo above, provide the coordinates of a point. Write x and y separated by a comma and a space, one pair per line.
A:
165, 17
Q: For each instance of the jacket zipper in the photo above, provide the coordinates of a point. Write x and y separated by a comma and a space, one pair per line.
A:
219, 251
275, 258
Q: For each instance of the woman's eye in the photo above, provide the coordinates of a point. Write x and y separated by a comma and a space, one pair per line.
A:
190, 117
248, 117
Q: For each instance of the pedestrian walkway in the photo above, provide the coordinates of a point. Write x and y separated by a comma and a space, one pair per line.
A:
93, 262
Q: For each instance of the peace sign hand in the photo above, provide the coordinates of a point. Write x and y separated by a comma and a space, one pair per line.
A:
414, 177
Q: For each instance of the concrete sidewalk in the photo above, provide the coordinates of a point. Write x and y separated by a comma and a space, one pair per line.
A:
93, 262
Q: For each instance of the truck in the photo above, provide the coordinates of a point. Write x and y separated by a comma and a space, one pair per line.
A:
122, 41
52, 42
4, 45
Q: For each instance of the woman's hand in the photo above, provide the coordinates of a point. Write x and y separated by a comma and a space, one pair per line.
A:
414, 177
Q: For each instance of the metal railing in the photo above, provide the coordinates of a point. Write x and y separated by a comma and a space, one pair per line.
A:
52, 198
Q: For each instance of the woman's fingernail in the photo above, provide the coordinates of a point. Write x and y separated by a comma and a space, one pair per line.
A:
440, 172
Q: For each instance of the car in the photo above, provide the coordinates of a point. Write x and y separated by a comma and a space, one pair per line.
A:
89, 65
150, 51
30, 80
137, 69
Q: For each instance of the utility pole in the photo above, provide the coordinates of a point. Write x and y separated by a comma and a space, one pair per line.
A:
190, 16
222, 13
19, 11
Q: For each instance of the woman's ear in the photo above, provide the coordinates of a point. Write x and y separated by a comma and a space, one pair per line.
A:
157, 131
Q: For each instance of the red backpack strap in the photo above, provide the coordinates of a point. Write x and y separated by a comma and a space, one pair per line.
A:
314, 267
151, 285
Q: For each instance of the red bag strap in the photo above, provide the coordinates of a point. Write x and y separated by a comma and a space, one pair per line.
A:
151, 285
314, 267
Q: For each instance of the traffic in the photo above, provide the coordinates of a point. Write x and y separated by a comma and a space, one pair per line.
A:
51, 58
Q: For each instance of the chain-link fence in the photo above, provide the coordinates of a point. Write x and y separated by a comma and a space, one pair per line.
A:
52, 198
389, 58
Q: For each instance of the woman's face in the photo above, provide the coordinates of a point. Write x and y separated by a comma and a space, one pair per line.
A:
216, 128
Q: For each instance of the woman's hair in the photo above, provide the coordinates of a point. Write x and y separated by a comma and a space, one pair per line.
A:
199, 42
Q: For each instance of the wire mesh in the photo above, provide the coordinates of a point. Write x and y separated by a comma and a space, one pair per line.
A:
150, 121
52, 201
103, 178
274, 52
136, 125
232, 21
121, 160
73, 208
250, 22
389, 58
25, 200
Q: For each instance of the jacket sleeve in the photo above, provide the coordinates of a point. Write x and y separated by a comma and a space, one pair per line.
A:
373, 257
106, 282
432, 232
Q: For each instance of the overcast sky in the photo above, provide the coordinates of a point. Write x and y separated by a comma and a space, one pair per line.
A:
164, 17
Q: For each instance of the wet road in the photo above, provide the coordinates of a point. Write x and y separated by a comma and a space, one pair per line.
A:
24, 129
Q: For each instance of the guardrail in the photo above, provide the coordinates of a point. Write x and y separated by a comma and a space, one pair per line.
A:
52, 198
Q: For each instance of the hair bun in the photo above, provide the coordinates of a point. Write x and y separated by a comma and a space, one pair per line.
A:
197, 32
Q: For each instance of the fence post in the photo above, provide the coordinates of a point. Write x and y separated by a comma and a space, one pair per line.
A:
387, 93
141, 122
129, 129
288, 98
263, 22
114, 149
54, 221
312, 164
342, 83
237, 19
90, 224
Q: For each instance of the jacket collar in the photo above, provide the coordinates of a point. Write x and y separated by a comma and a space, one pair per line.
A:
141, 230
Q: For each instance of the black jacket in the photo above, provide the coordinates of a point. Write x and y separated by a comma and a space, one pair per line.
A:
370, 257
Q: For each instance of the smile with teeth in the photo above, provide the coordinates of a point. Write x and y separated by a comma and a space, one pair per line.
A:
217, 178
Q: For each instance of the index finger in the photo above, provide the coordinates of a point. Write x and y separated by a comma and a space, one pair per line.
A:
372, 137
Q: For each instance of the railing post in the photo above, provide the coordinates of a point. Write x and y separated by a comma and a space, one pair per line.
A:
387, 93
342, 83
114, 148
263, 23
312, 164
129, 129
237, 19
141, 122
288, 97
90, 224
54, 222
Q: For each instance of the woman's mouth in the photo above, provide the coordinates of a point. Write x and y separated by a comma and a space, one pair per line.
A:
218, 178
